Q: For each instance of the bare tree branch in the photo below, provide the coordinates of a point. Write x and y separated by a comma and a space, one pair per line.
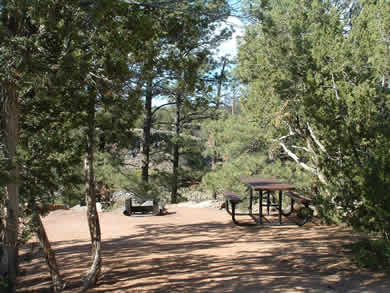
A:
161, 106
196, 118
335, 88
309, 150
315, 139
302, 164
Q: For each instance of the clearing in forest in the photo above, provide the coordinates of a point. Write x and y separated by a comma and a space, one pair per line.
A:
200, 250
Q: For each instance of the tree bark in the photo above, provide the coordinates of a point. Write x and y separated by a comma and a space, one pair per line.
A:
214, 165
146, 133
93, 218
220, 82
314, 171
3, 251
176, 151
57, 282
11, 115
217, 105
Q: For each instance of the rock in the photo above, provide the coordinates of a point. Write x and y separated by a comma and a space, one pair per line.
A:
147, 203
78, 207
81, 208
203, 204
122, 196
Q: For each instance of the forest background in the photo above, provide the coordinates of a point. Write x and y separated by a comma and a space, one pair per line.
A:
308, 101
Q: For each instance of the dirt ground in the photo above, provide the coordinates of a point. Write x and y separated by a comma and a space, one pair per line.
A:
200, 250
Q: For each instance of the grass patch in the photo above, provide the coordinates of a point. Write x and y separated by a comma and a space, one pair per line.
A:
371, 254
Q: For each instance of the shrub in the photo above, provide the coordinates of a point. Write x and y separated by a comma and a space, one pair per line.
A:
371, 254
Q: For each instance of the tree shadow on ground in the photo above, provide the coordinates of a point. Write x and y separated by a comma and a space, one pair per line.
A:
213, 257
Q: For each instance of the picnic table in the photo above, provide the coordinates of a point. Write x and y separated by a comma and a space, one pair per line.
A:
266, 188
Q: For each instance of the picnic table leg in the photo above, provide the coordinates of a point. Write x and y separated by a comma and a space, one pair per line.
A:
131, 206
268, 202
250, 200
260, 207
234, 214
227, 207
280, 207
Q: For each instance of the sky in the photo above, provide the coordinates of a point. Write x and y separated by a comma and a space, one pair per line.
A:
230, 46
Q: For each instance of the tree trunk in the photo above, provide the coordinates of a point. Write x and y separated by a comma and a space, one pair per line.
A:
147, 127
217, 105
214, 166
176, 152
11, 115
93, 217
57, 282
220, 82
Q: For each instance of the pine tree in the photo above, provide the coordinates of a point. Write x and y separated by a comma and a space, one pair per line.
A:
173, 32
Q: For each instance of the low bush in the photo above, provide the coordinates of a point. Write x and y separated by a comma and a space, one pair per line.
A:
371, 254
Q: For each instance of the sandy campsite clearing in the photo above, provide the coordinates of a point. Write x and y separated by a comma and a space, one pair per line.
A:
200, 250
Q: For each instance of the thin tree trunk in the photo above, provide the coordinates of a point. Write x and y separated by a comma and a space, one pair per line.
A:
3, 251
93, 217
175, 170
57, 282
11, 114
176, 152
217, 105
214, 167
146, 133
220, 82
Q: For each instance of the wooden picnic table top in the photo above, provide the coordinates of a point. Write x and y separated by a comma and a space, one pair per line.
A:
268, 184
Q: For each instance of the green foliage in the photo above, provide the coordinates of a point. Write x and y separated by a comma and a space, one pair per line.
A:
3, 284
318, 84
371, 254
5, 167
61, 51
108, 169
243, 151
186, 60
192, 162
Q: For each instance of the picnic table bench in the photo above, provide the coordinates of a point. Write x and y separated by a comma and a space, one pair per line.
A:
305, 213
233, 199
